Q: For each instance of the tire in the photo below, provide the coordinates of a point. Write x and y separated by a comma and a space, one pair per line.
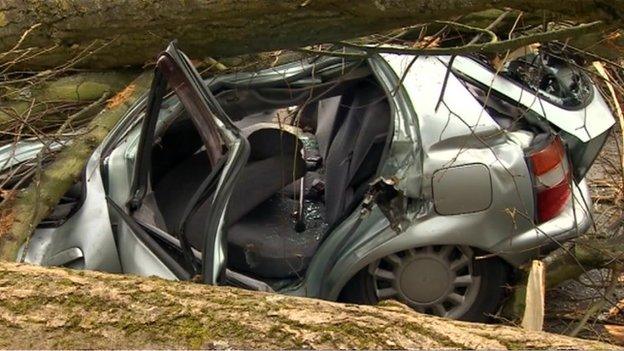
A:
479, 304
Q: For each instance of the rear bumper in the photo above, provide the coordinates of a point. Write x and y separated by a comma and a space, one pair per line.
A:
575, 220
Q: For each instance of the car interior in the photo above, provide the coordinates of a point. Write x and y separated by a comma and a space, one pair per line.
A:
315, 144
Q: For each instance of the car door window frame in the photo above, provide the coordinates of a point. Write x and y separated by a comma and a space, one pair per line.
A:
173, 70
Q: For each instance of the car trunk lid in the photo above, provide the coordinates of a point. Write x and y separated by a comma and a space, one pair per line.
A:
582, 122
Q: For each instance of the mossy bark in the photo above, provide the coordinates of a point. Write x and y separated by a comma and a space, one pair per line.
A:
104, 34
56, 308
41, 105
36, 201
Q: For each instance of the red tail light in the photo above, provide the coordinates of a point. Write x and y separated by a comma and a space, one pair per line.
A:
551, 177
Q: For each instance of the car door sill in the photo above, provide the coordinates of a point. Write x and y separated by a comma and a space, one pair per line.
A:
150, 242
232, 277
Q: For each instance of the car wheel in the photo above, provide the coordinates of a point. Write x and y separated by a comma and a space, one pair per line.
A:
445, 281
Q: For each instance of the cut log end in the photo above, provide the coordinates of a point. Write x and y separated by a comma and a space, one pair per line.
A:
535, 295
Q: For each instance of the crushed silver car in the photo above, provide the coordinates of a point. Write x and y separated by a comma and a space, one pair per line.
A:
342, 179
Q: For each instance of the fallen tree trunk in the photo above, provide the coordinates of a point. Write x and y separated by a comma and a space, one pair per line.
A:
34, 203
104, 34
38, 105
56, 308
44, 105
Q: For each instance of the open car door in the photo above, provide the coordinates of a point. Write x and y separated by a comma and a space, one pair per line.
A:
141, 246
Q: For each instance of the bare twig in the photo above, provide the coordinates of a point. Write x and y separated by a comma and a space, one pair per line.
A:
598, 305
489, 47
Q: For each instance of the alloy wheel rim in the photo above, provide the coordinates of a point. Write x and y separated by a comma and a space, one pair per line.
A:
436, 280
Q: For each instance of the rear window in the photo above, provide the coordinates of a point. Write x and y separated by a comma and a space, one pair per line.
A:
554, 79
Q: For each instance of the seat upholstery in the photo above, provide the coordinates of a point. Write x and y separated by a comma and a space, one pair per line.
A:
264, 242
261, 235
331, 114
274, 161
354, 154
268, 169
178, 185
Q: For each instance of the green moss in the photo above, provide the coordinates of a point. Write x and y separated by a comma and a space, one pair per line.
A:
80, 300
87, 86
357, 334
21, 306
277, 333
65, 282
442, 339
192, 331
515, 305
74, 321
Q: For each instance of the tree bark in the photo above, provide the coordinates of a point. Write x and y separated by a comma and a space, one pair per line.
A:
56, 308
104, 34
35, 202
44, 105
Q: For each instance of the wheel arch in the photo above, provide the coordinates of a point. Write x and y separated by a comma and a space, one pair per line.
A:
361, 287
351, 264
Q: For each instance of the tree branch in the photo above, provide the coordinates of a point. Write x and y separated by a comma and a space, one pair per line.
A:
489, 47
225, 28
36, 201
